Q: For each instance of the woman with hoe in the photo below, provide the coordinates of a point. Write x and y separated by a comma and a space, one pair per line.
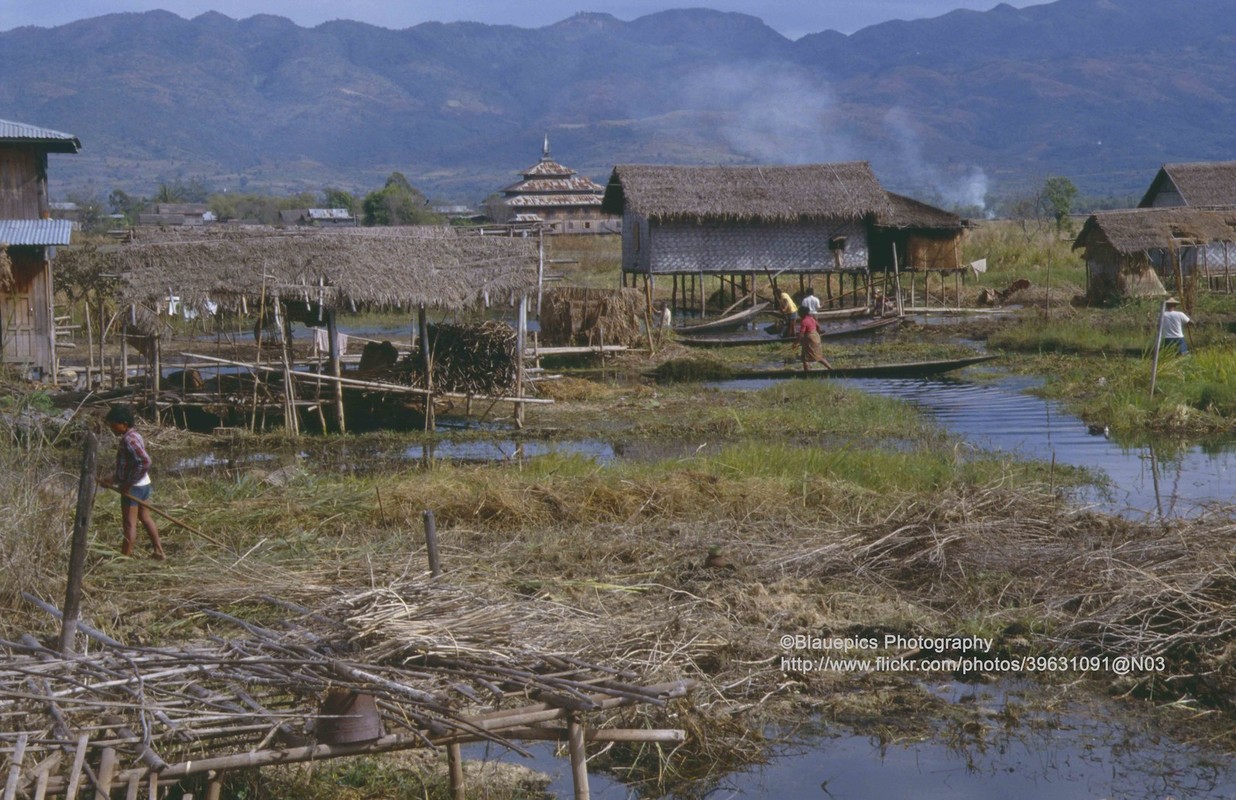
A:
132, 479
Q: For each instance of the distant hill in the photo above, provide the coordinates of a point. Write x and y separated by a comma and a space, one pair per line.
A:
1101, 91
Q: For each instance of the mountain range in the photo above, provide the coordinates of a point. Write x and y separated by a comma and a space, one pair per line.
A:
959, 109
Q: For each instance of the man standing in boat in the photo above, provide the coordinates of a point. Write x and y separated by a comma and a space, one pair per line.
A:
809, 341
810, 303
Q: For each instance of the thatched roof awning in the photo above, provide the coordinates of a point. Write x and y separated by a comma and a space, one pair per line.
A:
384, 266
1202, 183
747, 194
907, 212
1138, 230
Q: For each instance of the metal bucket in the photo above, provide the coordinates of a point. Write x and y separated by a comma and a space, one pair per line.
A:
348, 717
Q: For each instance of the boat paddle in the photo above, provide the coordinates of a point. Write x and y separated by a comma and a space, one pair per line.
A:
164, 514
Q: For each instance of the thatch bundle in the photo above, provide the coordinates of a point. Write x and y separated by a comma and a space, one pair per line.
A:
580, 316
772, 193
379, 266
470, 359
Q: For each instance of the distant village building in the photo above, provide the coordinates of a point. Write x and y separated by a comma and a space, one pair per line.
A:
1181, 236
318, 217
173, 214
65, 210
1195, 185
28, 238
556, 197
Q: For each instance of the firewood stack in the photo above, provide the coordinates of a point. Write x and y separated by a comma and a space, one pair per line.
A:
470, 359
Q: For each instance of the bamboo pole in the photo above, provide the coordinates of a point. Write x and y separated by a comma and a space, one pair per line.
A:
336, 367
579, 755
79, 760
431, 543
521, 344
19, 754
897, 283
106, 774
422, 320
454, 761
291, 419
77, 550
376, 385
1158, 345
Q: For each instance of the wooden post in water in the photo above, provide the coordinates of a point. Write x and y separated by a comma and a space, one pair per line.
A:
336, 366
77, 550
579, 755
454, 763
897, 283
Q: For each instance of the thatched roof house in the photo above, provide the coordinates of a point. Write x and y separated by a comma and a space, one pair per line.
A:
377, 266
806, 218
1197, 184
1127, 251
916, 236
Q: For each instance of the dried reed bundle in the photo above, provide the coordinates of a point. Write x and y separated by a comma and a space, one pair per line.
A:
6, 269
471, 359
583, 316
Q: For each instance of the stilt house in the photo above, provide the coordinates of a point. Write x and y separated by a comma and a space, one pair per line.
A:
739, 224
29, 236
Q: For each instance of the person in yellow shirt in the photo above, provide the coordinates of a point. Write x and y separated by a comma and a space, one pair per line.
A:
789, 312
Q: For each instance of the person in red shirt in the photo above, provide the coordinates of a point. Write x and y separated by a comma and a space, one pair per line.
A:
131, 478
809, 341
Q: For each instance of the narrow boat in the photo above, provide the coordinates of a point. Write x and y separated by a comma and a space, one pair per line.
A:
909, 369
726, 323
830, 332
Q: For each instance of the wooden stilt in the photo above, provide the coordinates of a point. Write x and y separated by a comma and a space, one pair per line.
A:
579, 755
19, 754
336, 367
106, 774
454, 762
427, 364
521, 343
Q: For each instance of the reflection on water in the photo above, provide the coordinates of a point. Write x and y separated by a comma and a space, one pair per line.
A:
1001, 416
998, 745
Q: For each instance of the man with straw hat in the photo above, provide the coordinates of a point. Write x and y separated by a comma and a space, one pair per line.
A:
1171, 325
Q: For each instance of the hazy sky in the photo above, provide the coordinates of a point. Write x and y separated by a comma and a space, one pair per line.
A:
792, 18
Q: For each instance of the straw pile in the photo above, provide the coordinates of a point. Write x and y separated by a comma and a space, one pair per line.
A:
576, 316
469, 359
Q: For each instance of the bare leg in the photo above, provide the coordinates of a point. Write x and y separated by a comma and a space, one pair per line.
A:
152, 531
128, 522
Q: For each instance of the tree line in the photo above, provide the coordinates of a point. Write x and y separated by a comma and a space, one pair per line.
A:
398, 202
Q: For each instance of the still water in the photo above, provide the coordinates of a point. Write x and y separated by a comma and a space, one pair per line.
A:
1142, 480
1000, 744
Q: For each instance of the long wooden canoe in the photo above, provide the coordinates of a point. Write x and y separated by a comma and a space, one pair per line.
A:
825, 333
910, 369
726, 323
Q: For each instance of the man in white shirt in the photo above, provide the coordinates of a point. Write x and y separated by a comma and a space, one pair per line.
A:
810, 302
1171, 326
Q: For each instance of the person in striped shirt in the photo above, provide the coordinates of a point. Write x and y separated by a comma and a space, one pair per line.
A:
131, 478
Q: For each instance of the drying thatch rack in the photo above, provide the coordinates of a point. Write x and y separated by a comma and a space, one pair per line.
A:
243, 266
124, 716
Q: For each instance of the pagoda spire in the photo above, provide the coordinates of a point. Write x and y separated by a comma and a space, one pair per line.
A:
545, 149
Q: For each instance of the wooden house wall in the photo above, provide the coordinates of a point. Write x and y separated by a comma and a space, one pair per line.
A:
724, 248
27, 333
920, 250
23, 183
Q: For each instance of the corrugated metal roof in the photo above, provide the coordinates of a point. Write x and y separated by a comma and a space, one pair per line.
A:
55, 141
27, 232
